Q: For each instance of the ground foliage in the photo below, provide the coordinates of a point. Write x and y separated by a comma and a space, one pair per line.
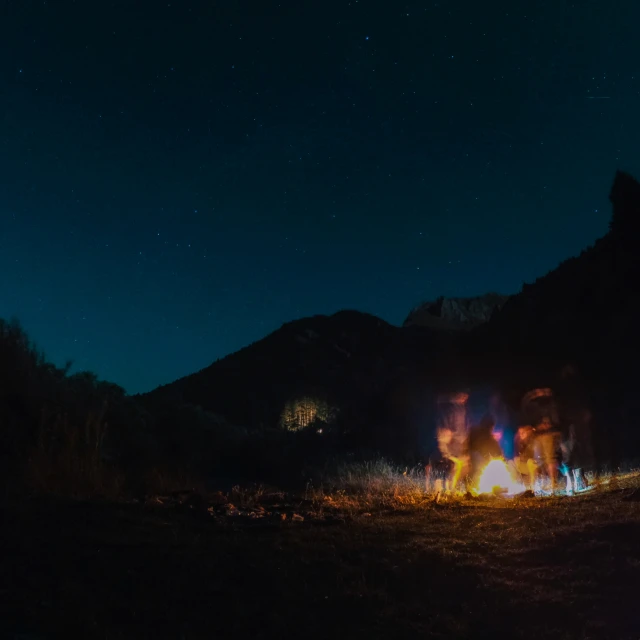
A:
522, 568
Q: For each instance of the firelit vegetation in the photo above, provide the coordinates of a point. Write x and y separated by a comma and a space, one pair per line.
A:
305, 412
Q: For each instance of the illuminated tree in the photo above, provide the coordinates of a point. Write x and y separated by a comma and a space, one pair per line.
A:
303, 412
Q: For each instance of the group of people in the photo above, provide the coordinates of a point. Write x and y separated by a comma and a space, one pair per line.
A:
546, 447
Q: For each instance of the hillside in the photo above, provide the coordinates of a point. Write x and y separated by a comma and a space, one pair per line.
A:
380, 377
584, 313
347, 360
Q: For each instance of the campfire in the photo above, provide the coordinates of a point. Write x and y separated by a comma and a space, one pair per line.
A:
496, 478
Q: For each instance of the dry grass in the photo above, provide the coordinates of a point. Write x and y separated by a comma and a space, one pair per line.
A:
377, 477
381, 484
371, 485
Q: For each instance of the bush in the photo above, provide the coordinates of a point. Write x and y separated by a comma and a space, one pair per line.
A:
57, 431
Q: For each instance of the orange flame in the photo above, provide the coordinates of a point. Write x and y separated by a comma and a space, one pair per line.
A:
496, 477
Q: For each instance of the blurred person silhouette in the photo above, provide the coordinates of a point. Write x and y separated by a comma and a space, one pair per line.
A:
440, 471
576, 419
452, 433
576, 453
539, 408
483, 446
546, 447
524, 459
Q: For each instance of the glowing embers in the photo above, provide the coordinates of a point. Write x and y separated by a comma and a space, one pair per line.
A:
497, 478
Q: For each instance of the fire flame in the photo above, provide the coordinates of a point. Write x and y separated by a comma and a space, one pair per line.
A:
496, 477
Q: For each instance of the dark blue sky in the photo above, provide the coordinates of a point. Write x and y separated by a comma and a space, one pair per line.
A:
177, 179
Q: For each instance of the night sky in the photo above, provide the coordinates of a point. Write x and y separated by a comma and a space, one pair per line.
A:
177, 179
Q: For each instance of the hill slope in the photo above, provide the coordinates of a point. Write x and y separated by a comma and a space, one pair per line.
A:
584, 313
349, 360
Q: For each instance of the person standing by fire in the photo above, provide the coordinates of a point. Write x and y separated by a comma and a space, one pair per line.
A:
546, 446
524, 459
453, 436
577, 446
484, 445
539, 410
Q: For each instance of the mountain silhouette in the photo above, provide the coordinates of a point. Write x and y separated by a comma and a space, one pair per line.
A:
347, 359
384, 379
583, 314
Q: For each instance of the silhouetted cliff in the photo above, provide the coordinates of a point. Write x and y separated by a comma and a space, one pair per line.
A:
384, 379
586, 313
456, 313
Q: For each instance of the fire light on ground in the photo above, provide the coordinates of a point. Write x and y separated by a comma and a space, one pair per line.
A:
496, 478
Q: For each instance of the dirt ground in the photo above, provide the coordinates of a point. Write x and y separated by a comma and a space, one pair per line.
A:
520, 568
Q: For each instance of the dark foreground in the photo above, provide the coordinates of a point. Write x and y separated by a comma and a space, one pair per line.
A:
533, 568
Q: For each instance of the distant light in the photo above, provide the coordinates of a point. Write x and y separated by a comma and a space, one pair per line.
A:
366, 38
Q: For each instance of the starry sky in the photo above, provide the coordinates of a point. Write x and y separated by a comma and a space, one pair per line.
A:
177, 179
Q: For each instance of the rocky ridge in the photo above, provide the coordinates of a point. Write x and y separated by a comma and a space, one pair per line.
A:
456, 313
